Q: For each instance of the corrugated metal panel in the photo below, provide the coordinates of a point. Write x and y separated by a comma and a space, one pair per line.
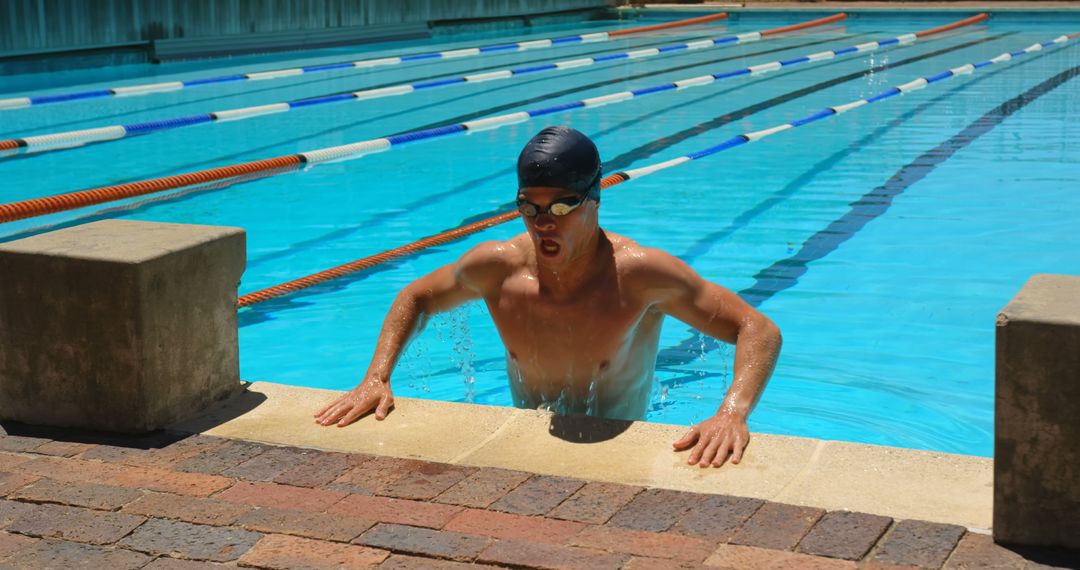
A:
27, 25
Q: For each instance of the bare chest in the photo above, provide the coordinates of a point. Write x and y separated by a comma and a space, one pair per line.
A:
594, 326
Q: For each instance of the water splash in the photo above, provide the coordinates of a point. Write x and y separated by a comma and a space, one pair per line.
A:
453, 327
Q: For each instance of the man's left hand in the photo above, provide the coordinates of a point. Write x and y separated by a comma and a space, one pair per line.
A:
717, 437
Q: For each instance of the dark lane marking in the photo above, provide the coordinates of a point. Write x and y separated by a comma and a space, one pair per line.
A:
647, 150
784, 274
310, 82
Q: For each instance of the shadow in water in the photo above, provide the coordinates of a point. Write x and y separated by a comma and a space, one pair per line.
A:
586, 429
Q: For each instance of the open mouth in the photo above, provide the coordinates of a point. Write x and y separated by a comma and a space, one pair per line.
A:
549, 248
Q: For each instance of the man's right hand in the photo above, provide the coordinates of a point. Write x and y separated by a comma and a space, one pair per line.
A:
370, 395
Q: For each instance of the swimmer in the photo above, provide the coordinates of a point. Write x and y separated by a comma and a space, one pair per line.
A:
579, 310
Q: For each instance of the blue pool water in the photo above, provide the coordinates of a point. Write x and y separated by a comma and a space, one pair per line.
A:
883, 241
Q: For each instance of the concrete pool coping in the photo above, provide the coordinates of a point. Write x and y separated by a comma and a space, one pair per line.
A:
834, 475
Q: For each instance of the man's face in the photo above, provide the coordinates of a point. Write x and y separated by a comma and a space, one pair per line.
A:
558, 240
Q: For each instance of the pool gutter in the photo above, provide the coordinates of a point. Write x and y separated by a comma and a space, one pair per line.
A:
896, 482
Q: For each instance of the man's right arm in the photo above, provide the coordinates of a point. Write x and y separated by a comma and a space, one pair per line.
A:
466, 279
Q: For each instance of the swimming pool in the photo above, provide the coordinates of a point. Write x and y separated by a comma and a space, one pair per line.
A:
883, 242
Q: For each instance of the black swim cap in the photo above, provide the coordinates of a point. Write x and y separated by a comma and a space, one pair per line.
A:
561, 157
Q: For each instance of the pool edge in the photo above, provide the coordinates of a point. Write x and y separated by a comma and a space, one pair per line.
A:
896, 482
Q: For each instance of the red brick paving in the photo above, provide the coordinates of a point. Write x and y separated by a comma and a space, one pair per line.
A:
174, 502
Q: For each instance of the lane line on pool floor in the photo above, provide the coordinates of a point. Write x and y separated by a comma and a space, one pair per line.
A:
81, 137
738, 140
168, 86
61, 202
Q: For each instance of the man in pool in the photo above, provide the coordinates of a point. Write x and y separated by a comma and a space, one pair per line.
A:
579, 310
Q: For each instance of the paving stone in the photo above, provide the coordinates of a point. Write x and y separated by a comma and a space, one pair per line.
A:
643, 543
843, 534
918, 543
292, 553
11, 482
11, 510
185, 540
12, 543
8, 461
73, 523
405, 562
281, 496
63, 448
197, 510
320, 468
550, 556
538, 495
169, 455
335, 527
399, 511
90, 495
646, 563
113, 453
371, 476
178, 564
20, 443
268, 465
743, 557
426, 481
483, 487
654, 510
511, 526
424, 541
217, 459
193, 484
59, 554
595, 502
84, 471
979, 551
777, 526
717, 517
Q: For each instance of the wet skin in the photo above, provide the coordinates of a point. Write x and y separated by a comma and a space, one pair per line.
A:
579, 310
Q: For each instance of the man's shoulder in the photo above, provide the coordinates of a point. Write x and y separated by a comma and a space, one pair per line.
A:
491, 258
632, 256
640, 266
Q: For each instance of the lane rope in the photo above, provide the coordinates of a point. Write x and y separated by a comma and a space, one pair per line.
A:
69, 139
52, 204
636, 173
167, 86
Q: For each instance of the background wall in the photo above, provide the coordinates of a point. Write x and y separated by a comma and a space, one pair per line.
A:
28, 26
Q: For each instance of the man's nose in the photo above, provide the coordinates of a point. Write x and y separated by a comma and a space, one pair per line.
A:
545, 220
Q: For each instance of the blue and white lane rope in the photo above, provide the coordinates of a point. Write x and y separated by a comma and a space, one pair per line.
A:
739, 140
149, 88
358, 149
62, 202
68, 139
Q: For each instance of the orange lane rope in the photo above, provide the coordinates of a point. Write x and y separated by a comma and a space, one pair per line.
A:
61, 202
392, 254
680, 23
804, 25
953, 26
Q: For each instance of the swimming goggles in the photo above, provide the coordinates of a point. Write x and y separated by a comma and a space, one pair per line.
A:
560, 207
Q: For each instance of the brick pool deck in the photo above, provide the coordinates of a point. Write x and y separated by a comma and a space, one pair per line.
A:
174, 501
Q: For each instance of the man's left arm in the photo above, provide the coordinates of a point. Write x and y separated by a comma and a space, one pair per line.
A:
721, 314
